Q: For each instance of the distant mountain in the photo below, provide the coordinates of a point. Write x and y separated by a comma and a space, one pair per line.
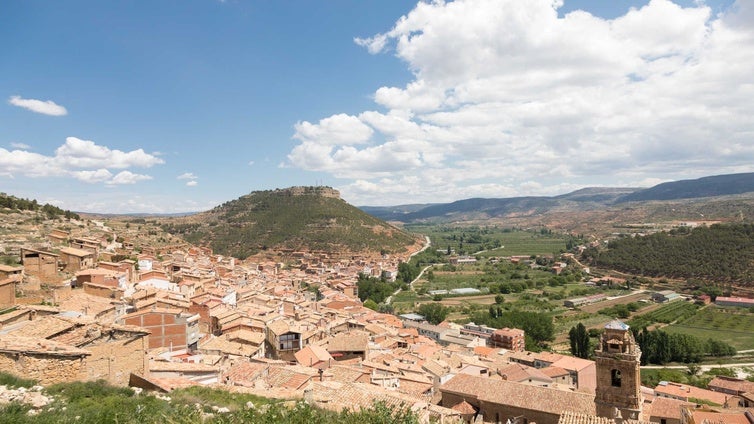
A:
583, 200
297, 218
481, 208
718, 185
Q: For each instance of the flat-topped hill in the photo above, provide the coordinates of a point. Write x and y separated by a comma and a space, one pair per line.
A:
297, 218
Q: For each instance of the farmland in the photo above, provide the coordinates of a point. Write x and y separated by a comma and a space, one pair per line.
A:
492, 241
729, 325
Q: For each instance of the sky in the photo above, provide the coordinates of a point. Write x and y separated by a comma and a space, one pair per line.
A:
179, 106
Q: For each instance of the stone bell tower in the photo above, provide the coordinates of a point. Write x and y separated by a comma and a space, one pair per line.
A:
617, 360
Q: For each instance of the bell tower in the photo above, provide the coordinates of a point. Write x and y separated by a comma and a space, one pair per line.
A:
617, 361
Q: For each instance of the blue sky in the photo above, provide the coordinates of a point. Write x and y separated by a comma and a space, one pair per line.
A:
174, 106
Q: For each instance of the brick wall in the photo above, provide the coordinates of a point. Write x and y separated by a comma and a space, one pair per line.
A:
165, 330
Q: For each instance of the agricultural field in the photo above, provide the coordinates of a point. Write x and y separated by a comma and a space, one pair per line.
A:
666, 314
725, 324
492, 241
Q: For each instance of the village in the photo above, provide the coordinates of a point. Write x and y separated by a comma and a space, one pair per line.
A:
94, 304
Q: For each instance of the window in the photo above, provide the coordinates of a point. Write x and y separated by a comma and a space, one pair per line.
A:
615, 378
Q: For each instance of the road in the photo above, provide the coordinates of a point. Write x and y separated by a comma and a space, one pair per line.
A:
389, 299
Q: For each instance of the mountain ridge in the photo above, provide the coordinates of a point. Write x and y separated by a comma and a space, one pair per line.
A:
585, 199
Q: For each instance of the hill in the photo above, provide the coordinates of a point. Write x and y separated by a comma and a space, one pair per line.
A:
716, 253
721, 197
717, 185
297, 218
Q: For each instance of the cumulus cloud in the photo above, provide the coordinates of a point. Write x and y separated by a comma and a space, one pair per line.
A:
45, 107
82, 160
511, 98
86, 154
21, 146
127, 177
187, 176
192, 183
98, 176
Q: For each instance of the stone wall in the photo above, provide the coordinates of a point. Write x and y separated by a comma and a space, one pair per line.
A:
114, 359
47, 369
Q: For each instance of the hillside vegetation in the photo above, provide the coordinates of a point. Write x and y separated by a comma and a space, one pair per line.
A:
98, 402
719, 252
299, 218
13, 203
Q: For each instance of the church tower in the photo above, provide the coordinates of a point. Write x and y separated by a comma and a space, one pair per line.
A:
617, 361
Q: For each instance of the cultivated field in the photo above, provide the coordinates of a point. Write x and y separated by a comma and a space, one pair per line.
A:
725, 324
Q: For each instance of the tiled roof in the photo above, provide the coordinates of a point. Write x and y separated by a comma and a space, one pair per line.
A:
35, 345
43, 327
686, 392
76, 252
244, 373
554, 372
464, 408
522, 373
224, 345
732, 384
519, 395
312, 355
667, 408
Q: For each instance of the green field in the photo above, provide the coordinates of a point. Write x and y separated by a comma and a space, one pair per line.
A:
527, 243
724, 324
492, 241
677, 310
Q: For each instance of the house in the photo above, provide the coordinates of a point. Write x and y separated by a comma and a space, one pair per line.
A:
86, 243
7, 271
7, 292
58, 236
314, 356
113, 351
741, 302
349, 345
74, 260
46, 361
693, 394
41, 264
509, 338
169, 327
731, 386
665, 296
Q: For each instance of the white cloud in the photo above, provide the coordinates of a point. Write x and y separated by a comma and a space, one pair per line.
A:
187, 176
191, 183
127, 177
45, 107
339, 129
98, 176
510, 98
79, 159
85, 154
21, 146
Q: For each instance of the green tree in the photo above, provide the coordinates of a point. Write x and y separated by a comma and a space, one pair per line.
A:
579, 340
434, 313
